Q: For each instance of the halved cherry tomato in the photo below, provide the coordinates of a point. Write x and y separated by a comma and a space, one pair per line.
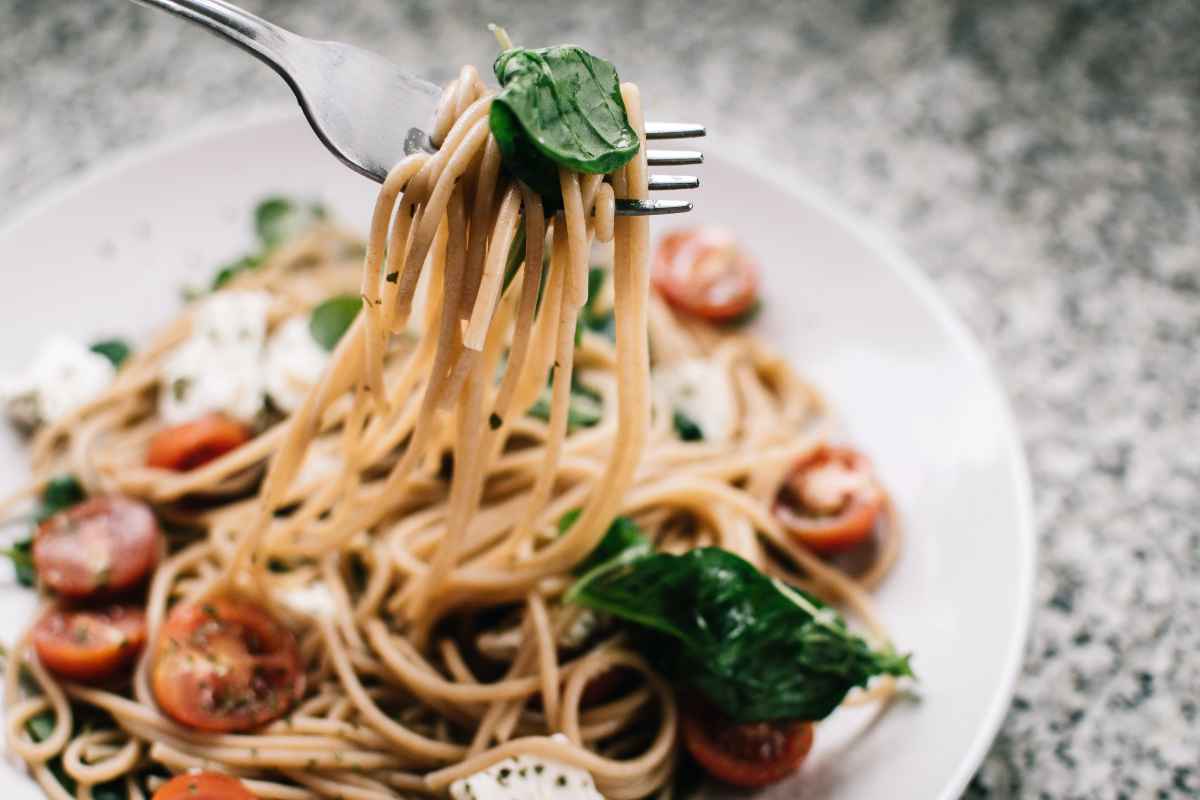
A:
103, 545
750, 755
831, 500
225, 665
203, 786
703, 272
89, 646
194, 444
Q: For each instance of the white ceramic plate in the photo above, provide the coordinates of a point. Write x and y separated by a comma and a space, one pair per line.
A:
110, 254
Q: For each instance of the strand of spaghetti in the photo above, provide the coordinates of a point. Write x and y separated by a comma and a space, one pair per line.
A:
482, 215
408, 741
547, 657
372, 275
109, 768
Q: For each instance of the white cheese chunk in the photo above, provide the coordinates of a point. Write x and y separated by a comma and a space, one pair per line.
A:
703, 392
527, 778
218, 368
294, 363
64, 376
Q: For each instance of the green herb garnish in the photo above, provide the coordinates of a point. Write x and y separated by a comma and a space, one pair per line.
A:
591, 318
278, 218
559, 106
688, 429
332, 318
61, 492
115, 350
756, 648
584, 408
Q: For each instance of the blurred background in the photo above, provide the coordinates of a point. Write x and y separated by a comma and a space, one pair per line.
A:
1038, 157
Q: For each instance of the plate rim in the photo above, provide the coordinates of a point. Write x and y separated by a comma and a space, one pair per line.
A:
875, 235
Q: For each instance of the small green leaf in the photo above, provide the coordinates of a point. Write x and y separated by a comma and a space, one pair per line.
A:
568, 519
278, 218
687, 428
227, 273
115, 350
21, 556
332, 318
590, 318
40, 726
746, 317
61, 492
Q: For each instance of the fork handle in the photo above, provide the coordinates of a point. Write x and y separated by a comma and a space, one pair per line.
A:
264, 40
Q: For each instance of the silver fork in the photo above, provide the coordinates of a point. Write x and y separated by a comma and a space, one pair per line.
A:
369, 112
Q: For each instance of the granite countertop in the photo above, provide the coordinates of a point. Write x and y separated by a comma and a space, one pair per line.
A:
1038, 157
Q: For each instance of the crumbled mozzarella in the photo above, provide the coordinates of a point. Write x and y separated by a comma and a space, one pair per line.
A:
218, 368
313, 599
294, 363
702, 391
64, 376
527, 778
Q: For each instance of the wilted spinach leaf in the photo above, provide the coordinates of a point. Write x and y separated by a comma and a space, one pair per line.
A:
757, 649
559, 106
332, 318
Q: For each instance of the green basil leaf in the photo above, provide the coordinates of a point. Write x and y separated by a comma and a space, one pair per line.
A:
227, 273
40, 726
746, 317
332, 318
61, 492
559, 106
756, 648
278, 218
115, 350
688, 429
584, 408
590, 318
21, 556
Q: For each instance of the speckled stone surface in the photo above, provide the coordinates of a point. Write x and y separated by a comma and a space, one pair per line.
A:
1040, 158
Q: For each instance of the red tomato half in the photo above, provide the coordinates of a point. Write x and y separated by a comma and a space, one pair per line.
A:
751, 754
703, 272
225, 665
103, 545
203, 786
832, 500
194, 444
89, 646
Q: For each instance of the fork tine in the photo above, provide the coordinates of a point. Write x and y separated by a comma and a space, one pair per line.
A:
644, 208
662, 183
673, 130
672, 158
